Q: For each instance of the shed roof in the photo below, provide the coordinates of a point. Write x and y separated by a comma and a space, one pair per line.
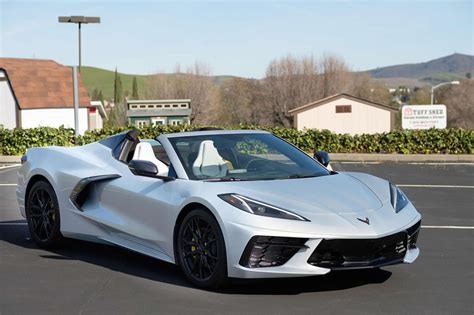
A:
338, 96
40, 83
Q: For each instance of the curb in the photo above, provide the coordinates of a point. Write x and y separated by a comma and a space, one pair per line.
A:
353, 157
366, 157
10, 159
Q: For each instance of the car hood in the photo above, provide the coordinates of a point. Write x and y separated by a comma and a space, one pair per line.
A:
339, 194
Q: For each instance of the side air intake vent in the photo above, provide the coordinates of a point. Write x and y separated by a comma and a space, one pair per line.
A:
82, 190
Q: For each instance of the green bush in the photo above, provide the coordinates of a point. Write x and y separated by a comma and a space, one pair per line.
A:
445, 141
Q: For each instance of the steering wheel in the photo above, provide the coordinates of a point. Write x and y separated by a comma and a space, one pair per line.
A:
258, 165
266, 165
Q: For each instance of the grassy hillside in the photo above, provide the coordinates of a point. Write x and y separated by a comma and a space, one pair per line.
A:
452, 64
104, 80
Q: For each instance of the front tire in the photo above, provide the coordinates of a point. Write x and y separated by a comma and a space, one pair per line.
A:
201, 250
42, 215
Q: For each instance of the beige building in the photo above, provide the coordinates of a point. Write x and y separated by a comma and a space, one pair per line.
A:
344, 113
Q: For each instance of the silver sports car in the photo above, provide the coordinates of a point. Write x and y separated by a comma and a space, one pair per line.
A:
218, 203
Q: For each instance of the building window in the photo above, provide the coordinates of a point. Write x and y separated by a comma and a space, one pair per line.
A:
141, 123
167, 105
156, 121
175, 122
175, 105
151, 106
159, 106
133, 106
343, 109
184, 105
142, 106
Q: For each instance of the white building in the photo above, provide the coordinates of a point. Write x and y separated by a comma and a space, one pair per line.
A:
97, 114
344, 113
35, 92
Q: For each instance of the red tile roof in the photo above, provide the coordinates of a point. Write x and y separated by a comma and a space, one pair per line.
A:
39, 83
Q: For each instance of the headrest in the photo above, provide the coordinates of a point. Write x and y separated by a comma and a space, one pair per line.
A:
208, 161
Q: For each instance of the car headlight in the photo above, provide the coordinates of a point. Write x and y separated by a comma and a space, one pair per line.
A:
398, 198
259, 208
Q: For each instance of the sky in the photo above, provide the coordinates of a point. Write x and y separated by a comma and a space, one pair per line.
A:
236, 37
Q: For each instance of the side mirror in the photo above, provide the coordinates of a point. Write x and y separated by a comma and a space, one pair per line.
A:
143, 168
322, 157
148, 169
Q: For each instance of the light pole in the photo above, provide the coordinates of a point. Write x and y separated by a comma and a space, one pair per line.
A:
440, 85
79, 20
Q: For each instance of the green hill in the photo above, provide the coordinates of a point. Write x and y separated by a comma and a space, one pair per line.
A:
103, 79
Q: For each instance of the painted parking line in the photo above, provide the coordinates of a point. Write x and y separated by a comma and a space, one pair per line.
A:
435, 186
446, 227
441, 163
449, 227
8, 166
7, 185
357, 162
13, 223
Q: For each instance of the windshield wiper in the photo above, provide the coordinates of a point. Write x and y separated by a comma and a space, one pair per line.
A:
227, 179
302, 175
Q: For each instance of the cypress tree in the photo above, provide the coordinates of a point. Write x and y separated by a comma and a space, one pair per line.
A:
95, 95
135, 89
117, 88
101, 97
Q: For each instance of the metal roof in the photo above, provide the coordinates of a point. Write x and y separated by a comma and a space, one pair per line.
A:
158, 112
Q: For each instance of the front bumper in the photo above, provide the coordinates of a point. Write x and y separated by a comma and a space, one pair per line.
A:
395, 248
365, 253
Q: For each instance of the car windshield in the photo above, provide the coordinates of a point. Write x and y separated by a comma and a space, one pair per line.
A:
245, 156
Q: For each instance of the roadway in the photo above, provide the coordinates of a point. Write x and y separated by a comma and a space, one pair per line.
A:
96, 279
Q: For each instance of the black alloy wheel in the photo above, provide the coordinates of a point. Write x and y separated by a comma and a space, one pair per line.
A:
42, 215
201, 250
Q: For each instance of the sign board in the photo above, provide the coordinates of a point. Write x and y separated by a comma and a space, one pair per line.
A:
423, 116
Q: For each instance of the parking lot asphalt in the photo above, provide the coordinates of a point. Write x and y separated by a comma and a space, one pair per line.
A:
98, 279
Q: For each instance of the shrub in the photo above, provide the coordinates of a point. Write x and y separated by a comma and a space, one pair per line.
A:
445, 141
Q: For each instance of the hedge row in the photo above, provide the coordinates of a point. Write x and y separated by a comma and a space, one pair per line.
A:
448, 141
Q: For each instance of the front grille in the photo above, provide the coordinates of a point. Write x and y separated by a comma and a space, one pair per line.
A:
268, 251
358, 253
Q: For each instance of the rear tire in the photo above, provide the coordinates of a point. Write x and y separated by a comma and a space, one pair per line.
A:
42, 215
201, 250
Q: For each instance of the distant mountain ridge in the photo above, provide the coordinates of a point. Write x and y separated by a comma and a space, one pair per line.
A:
452, 67
453, 64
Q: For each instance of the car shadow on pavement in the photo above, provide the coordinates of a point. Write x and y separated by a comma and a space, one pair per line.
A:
131, 263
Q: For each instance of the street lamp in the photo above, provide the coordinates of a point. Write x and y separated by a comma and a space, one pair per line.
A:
440, 85
79, 20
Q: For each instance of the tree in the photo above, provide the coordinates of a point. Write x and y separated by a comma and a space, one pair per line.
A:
291, 82
420, 96
195, 84
459, 101
468, 75
135, 89
118, 115
241, 102
117, 88
95, 95
100, 97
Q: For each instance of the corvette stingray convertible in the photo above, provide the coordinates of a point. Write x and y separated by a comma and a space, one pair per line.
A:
219, 203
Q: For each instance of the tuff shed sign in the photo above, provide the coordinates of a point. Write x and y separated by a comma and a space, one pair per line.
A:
423, 116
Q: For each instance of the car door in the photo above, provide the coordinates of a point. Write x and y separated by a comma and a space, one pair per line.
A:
140, 211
